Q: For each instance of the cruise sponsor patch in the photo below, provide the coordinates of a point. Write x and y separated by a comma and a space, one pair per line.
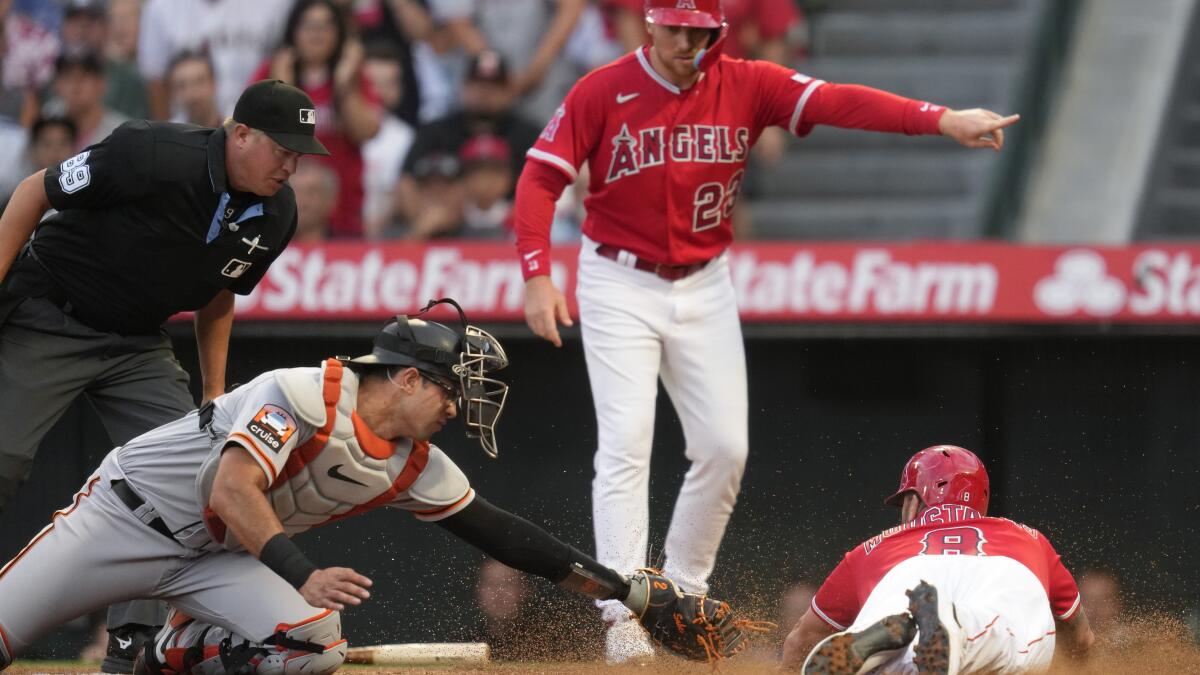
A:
273, 426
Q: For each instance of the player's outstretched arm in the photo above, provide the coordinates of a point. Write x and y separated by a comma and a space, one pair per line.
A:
693, 626
545, 308
976, 128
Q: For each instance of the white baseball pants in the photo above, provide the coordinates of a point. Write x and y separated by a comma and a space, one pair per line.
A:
638, 328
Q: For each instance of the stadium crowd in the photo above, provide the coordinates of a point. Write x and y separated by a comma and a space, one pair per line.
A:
427, 106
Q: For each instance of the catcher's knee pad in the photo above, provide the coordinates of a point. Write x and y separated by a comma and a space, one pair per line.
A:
187, 647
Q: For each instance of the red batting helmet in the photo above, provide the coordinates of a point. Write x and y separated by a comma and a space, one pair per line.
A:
692, 13
945, 474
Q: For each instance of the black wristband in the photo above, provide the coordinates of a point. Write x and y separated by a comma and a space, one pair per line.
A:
287, 560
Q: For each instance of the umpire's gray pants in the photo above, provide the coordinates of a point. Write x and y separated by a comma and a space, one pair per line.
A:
47, 360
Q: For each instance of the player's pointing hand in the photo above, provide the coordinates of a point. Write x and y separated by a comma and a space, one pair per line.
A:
976, 128
335, 587
545, 308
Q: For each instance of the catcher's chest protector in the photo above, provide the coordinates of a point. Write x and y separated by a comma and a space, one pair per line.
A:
344, 469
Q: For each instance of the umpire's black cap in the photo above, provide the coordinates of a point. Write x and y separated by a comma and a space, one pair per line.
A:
282, 112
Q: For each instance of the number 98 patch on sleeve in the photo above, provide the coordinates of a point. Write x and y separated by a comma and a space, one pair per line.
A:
273, 426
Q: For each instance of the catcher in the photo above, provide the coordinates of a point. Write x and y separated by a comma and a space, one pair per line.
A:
200, 512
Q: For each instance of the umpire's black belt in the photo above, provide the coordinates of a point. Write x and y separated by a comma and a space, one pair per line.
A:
130, 498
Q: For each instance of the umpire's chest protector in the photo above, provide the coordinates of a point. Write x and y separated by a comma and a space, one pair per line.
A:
344, 469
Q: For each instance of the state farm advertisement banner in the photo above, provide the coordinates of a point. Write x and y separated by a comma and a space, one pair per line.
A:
775, 282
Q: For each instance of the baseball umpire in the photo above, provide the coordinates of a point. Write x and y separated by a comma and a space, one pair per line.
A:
949, 590
666, 132
156, 219
201, 511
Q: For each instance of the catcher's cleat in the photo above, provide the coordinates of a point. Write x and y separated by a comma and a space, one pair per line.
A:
939, 639
124, 644
849, 653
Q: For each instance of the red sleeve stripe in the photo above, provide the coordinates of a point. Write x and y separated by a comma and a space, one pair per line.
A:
794, 125
240, 439
825, 617
1066, 616
555, 161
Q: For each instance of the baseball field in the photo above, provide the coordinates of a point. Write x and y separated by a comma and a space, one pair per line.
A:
1148, 646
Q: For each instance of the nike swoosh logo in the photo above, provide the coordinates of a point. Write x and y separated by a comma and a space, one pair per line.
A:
334, 473
532, 254
124, 643
625, 98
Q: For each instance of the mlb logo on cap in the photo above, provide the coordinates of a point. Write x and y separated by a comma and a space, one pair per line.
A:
308, 116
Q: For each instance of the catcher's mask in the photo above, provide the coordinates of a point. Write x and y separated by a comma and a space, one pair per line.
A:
440, 352
945, 474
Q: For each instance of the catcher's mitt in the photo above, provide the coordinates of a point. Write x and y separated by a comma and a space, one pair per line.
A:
693, 626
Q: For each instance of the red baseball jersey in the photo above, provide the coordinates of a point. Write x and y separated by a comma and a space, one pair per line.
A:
948, 529
666, 165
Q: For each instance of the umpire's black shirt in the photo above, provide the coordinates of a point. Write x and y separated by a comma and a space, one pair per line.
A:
147, 226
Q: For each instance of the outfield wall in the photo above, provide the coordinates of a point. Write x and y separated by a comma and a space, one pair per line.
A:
1091, 434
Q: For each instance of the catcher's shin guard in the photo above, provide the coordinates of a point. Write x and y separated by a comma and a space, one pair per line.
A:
939, 637
188, 647
848, 653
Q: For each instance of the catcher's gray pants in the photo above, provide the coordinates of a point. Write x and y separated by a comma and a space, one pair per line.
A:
97, 551
47, 359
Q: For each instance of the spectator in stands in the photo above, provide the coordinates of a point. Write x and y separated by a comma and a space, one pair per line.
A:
124, 20
51, 141
85, 28
514, 623
79, 88
401, 24
321, 56
384, 154
193, 90
487, 183
435, 210
29, 51
529, 34
239, 34
486, 111
1100, 595
316, 188
793, 604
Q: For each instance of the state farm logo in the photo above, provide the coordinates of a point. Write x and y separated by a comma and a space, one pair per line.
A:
1164, 284
1080, 282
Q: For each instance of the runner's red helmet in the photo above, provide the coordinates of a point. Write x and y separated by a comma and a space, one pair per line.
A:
945, 474
692, 13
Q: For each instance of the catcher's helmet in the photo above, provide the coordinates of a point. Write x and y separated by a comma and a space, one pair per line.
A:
693, 14
461, 360
945, 474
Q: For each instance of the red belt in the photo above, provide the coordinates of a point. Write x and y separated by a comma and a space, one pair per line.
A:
668, 272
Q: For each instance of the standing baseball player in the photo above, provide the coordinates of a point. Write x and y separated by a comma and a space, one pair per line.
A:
156, 219
666, 132
949, 590
201, 511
